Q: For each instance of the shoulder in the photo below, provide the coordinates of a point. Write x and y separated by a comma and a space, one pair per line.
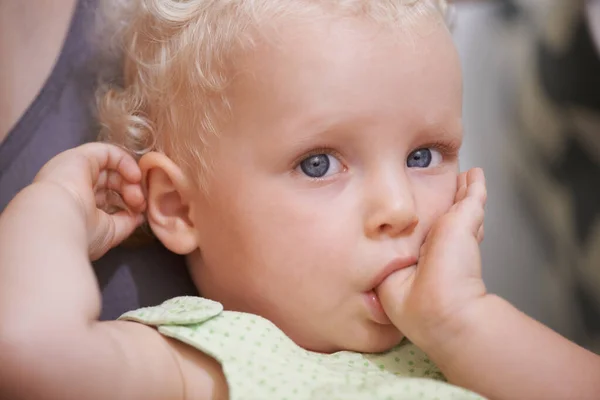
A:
201, 376
162, 367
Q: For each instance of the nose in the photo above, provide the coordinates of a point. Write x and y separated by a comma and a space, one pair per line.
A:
391, 209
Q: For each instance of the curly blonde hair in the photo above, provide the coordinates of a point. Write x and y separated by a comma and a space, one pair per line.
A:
175, 64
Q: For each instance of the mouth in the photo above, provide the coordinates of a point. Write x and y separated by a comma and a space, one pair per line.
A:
376, 310
395, 265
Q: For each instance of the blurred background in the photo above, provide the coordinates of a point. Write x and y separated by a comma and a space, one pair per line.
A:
532, 121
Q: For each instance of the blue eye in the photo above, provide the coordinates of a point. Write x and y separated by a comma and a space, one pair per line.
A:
423, 158
320, 165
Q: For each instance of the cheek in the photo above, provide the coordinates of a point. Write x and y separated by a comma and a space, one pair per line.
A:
434, 195
297, 233
277, 235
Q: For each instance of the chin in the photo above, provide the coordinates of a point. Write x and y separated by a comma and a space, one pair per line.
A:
374, 338
378, 339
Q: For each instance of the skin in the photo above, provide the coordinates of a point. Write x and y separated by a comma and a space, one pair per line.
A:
28, 32
307, 249
341, 231
440, 304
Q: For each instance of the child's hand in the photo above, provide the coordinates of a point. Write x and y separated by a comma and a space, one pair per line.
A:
426, 303
89, 173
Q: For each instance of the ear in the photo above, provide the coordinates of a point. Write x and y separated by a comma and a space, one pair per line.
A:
168, 195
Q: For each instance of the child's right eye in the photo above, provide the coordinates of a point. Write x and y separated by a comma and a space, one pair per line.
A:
320, 166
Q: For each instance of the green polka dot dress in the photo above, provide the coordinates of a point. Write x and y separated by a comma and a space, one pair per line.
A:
260, 362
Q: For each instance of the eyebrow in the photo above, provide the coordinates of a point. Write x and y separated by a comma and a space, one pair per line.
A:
325, 127
443, 130
319, 125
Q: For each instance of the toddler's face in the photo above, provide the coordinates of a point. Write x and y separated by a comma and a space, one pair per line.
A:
342, 152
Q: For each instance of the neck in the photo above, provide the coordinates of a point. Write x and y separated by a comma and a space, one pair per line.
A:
31, 37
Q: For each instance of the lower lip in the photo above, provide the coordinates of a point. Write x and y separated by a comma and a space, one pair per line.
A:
375, 308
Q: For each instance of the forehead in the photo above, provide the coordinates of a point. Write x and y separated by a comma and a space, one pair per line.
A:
350, 66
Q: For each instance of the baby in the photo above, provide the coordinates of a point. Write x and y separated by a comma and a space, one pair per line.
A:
303, 155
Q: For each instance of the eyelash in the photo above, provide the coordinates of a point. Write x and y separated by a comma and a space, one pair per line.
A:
317, 151
446, 148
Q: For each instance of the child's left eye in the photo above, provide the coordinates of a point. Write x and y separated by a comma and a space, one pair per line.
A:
424, 158
320, 165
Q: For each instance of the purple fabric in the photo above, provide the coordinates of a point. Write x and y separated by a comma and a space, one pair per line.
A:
58, 119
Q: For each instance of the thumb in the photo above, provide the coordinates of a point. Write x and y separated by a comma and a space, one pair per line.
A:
112, 229
393, 293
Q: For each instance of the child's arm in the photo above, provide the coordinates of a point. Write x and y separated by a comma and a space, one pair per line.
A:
51, 344
478, 340
494, 349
